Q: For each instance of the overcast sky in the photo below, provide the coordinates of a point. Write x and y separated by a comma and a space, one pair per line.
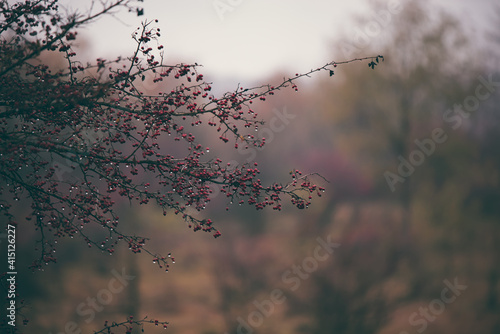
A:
251, 39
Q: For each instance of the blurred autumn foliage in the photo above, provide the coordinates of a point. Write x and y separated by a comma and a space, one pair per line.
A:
397, 248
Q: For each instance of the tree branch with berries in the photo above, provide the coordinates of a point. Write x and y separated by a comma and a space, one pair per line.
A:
75, 142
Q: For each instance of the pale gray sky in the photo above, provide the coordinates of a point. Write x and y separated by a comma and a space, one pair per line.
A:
250, 39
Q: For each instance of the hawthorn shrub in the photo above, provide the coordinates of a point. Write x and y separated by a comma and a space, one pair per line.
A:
76, 141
